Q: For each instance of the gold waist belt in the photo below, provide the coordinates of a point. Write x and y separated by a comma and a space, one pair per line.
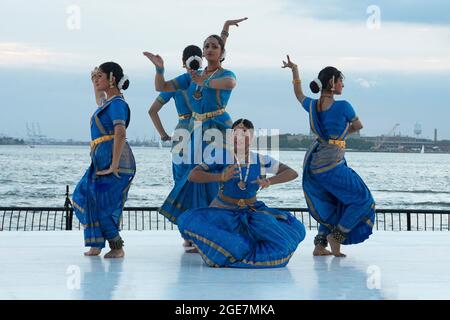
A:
184, 116
240, 202
340, 143
101, 139
207, 115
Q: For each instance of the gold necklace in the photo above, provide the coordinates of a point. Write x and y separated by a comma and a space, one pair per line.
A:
242, 184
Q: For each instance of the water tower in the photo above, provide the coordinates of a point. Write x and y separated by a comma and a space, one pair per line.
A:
417, 130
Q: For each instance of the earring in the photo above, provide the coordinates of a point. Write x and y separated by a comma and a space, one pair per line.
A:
332, 87
111, 82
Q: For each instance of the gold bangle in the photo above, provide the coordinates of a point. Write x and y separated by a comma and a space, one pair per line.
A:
295, 81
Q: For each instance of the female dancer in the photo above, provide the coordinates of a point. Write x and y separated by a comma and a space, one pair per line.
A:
100, 195
237, 230
209, 91
191, 61
336, 196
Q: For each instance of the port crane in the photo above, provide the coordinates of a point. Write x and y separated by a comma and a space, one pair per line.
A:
383, 140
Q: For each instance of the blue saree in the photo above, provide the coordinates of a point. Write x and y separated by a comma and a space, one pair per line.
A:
184, 111
208, 113
239, 231
98, 200
335, 194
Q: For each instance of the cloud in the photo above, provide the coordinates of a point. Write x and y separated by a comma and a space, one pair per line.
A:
120, 31
14, 53
366, 84
26, 56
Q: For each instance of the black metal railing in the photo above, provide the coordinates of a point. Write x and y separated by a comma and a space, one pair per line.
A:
148, 218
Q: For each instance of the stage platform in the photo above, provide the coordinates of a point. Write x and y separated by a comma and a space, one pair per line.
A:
390, 265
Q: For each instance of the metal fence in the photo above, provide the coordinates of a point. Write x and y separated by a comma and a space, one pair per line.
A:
148, 218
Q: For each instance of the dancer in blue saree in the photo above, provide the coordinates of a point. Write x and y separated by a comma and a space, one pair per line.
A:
192, 60
335, 194
237, 230
209, 91
100, 195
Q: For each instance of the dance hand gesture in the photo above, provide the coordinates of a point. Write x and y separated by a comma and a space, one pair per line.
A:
196, 77
263, 183
230, 172
166, 138
235, 22
156, 59
289, 64
109, 171
94, 74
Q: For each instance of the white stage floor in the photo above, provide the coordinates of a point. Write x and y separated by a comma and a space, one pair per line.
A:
390, 265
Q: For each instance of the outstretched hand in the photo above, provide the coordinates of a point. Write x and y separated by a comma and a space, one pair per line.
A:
156, 59
289, 63
235, 22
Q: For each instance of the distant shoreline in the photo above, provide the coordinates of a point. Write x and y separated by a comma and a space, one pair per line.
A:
169, 146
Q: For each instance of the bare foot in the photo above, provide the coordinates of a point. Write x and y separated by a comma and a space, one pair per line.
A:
321, 251
187, 243
335, 247
189, 247
192, 250
93, 252
115, 253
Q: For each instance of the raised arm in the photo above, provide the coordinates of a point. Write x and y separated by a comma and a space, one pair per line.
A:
153, 112
226, 28
295, 79
161, 85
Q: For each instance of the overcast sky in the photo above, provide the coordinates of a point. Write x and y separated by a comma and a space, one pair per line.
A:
396, 58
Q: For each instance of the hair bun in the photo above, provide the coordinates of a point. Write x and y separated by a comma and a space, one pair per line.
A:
194, 62
316, 85
194, 65
192, 57
126, 84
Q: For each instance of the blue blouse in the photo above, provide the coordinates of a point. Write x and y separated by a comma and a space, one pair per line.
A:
212, 99
260, 165
335, 119
112, 113
181, 98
